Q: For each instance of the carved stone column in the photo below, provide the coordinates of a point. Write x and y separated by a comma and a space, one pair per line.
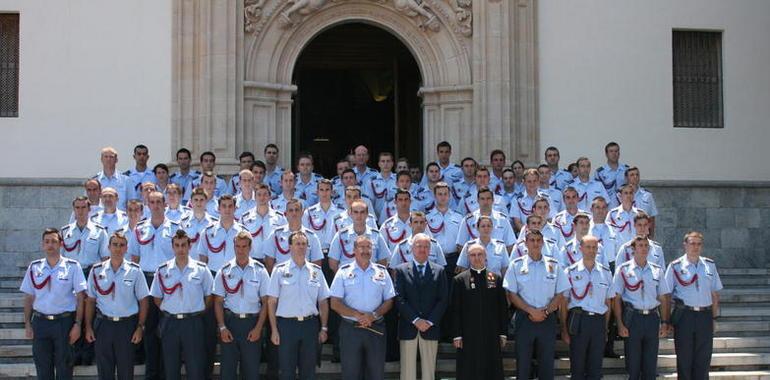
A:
448, 115
207, 92
267, 115
505, 78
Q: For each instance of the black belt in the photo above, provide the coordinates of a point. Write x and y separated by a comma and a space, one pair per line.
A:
653, 311
301, 319
114, 319
182, 315
241, 315
579, 310
679, 304
53, 317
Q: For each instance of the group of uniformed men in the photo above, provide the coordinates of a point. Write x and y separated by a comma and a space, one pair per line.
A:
268, 253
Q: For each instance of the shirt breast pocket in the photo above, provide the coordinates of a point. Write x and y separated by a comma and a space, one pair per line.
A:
195, 279
91, 246
350, 282
287, 281
251, 288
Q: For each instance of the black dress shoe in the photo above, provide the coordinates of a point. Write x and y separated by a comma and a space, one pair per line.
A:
611, 354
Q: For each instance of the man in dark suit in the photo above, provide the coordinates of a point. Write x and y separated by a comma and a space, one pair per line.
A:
422, 295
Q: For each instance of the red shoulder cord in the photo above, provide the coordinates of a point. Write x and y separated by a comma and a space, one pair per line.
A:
467, 209
376, 194
523, 211
401, 253
615, 224
139, 237
454, 193
468, 228
583, 197
631, 287
165, 289
396, 240
211, 247
569, 257
436, 229
585, 291
258, 231
230, 290
71, 247
41, 285
565, 234
683, 282
102, 291
519, 252
345, 251
312, 224
278, 245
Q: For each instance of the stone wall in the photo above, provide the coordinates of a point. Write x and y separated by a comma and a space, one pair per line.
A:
733, 217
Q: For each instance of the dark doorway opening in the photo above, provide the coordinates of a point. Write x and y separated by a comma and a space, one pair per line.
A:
357, 84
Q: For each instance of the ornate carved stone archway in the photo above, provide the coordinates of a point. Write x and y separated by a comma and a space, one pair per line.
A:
234, 60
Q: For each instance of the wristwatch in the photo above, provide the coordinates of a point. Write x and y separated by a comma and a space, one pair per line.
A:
375, 315
324, 328
222, 328
140, 326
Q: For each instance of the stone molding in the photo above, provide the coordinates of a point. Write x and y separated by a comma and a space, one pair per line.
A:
234, 62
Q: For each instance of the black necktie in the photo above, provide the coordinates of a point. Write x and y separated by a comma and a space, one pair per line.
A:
420, 268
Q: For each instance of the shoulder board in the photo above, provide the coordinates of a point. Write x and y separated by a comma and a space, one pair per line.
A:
186, 218
173, 175
69, 261
95, 176
307, 231
457, 166
174, 222
572, 267
259, 264
283, 264
708, 260
133, 264
142, 221
127, 172
220, 177
38, 261
214, 218
65, 228
314, 265
433, 240
469, 216
551, 259
210, 226
627, 263
601, 266
624, 166
653, 242
201, 264
652, 264
521, 258
98, 265
337, 217
278, 212
227, 265
380, 266
99, 226
348, 265
163, 265
600, 169
498, 241
679, 260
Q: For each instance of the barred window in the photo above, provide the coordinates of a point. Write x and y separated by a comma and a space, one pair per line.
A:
698, 79
9, 65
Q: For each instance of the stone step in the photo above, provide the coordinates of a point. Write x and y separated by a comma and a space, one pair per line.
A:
721, 344
743, 272
666, 364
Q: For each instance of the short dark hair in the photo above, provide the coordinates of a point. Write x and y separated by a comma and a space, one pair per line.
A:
403, 173
468, 159
208, 153
180, 234
495, 153
225, 197
297, 234
444, 144
271, 145
160, 166
641, 216
400, 191
258, 163
118, 235
610, 145
81, 198
51, 231
185, 151
141, 146
484, 190
246, 154
434, 163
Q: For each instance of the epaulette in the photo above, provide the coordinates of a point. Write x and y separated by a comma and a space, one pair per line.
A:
64, 228
625, 166
348, 265
339, 216
210, 226
307, 231
195, 175
133, 264
239, 224
458, 166
186, 218
38, 261
520, 258
380, 266
163, 265
498, 240
220, 177
98, 265
652, 264
549, 240
551, 259
227, 265
174, 222
127, 172
69, 261
708, 260
214, 218
99, 225
572, 267
601, 266
259, 263
281, 228
653, 242
601, 168
143, 220
201, 264
283, 264
314, 265
274, 197
433, 240
678, 260
95, 176
627, 263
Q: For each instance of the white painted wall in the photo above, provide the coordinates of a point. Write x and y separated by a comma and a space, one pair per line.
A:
92, 73
606, 74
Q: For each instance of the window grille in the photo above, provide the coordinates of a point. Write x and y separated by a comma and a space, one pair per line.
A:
9, 65
697, 57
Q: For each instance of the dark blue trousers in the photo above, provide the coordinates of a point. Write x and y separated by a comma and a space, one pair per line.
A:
50, 348
114, 350
298, 348
183, 337
538, 339
240, 353
641, 346
693, 341
362, 352
586, 349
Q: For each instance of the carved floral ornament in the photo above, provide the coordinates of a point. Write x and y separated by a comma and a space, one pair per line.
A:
293, 12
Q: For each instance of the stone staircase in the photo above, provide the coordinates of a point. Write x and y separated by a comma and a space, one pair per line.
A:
741, 344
